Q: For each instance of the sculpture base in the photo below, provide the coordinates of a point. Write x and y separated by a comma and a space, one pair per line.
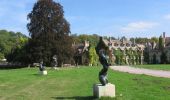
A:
55, 68
104, 91
43, 72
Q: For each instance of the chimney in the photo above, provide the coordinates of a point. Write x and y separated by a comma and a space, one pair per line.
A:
164, 34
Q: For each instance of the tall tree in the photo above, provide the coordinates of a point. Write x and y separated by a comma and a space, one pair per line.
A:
93, 57
49, 32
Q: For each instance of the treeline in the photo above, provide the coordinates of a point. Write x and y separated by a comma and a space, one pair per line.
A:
93, 39
10, 40
143, 40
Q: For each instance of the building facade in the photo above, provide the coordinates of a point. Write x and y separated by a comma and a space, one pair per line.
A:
81, 51
156, 53
125, 51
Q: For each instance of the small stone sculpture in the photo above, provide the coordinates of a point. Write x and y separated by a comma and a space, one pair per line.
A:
41, 67
55, 61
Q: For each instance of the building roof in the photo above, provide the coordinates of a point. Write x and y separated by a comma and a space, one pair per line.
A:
123, 44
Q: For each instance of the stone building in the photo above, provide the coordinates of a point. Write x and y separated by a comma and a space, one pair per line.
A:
81, 53
125, 51
157, 54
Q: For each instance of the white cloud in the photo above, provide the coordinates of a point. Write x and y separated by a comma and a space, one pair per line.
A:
167, 16
138, 26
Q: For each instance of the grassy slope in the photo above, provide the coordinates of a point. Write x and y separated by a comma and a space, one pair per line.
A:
76, 83
156, 66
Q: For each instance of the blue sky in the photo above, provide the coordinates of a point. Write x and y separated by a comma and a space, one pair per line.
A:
130, 18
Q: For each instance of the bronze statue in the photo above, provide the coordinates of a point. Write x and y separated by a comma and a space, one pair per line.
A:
101, 51
103, 73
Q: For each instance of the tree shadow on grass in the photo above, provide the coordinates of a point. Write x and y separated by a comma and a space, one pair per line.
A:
75, 98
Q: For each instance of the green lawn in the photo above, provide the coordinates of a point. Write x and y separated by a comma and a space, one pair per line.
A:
76, 84
156, 66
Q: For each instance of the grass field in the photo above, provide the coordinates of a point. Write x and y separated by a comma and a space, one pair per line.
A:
156, 66
76, 84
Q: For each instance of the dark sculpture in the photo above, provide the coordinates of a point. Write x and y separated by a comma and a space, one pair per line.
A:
103, 72
55, 63
41, 67
101, 49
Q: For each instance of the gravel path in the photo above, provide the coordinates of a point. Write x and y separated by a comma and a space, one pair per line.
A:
157, 73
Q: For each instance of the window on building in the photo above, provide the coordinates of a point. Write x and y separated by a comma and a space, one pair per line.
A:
127, 44
122, 45
115, 44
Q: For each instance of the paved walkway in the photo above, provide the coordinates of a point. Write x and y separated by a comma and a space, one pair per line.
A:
157, 73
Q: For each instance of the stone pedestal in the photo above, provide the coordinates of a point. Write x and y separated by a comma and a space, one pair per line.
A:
104, 91
43, 72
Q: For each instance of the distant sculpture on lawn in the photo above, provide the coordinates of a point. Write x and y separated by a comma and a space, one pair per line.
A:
41, 67
101, 50
55, 63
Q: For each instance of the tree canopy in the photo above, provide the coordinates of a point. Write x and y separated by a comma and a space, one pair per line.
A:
8, 40
49, 32
93, 39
